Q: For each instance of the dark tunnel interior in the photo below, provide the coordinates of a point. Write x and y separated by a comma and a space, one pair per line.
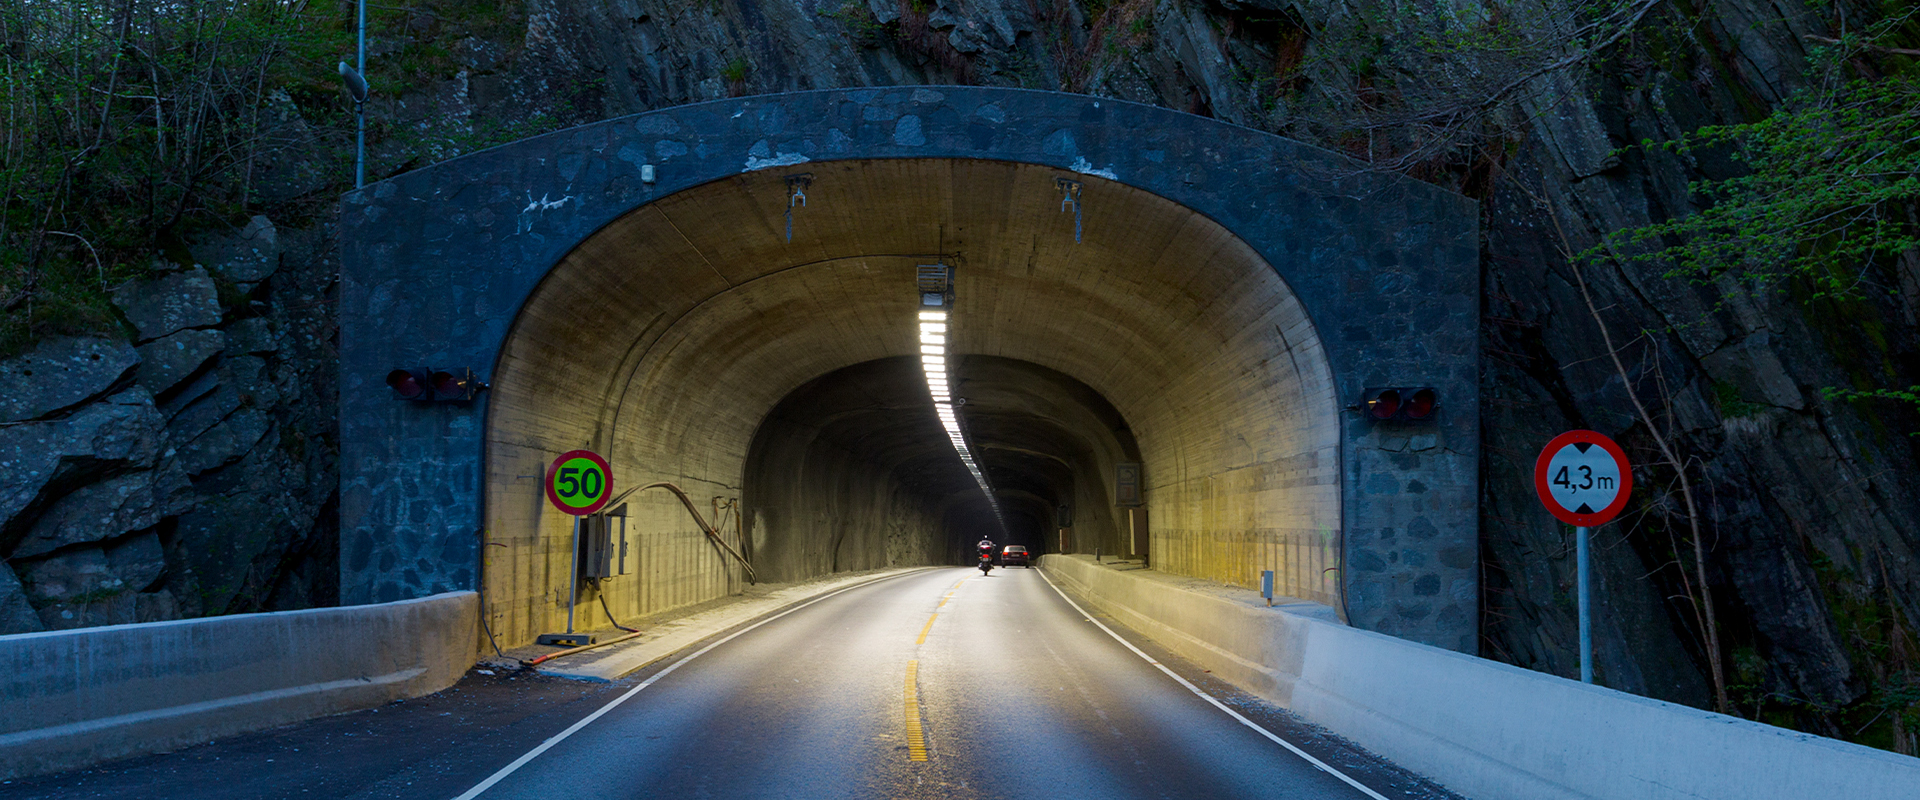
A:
865, 438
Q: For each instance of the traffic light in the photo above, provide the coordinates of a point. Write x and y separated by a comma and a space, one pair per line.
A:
437, 386
455, 386
411, 384
1400, 404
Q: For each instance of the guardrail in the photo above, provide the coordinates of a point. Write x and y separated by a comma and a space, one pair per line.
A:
79, 697
1486, 730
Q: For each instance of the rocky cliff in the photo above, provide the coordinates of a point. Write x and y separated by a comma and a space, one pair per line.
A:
185, 471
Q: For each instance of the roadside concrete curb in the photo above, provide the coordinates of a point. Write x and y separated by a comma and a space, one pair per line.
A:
79, 697
1486, 730
617, 661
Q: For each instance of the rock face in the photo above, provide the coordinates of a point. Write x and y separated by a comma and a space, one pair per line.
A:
169, 303
164, 363
61, 373
190, 475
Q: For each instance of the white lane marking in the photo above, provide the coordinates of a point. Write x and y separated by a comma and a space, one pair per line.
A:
1322, 765
588, 719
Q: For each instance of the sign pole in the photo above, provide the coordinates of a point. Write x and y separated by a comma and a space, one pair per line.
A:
1586, 607
573, 586
1584, 480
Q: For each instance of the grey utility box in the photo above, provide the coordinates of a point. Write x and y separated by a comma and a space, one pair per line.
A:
604, 544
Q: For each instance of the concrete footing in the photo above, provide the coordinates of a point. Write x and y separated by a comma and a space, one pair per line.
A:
1486, 730
80, 697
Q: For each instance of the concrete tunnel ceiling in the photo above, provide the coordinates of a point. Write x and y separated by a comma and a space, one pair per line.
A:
666, 339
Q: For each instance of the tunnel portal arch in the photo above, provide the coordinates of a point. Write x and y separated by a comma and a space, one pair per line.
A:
1229, 291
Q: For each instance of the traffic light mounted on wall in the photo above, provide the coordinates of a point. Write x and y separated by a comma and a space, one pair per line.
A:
1400, 404
435, 386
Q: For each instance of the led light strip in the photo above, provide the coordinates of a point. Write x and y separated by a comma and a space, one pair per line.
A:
933, 359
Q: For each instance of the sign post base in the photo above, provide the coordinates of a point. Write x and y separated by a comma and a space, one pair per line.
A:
567, 639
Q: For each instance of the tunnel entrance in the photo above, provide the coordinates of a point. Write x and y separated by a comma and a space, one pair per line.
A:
1133, 286
705, 318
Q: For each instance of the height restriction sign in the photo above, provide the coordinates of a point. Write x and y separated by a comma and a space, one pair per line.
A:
578, 482
1583, 478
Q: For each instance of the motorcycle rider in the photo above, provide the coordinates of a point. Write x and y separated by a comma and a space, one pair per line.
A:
985, 547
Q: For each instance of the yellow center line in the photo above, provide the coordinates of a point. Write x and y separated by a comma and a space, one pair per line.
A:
916, 738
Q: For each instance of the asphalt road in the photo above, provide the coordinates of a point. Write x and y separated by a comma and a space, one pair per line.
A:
937, 684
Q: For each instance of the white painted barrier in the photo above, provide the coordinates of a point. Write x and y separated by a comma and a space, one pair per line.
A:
79, 697
1486, 730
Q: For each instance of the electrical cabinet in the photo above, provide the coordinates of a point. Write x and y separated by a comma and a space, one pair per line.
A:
603, 544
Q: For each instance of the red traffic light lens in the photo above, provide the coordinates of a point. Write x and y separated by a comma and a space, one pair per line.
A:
1384, 405
405, 384
448, 385
1421, 404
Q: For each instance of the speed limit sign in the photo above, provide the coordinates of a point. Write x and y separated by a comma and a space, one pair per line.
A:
579, 482
1583, 478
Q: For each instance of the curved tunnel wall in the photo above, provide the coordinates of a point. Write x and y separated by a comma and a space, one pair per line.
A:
680, 326
661, 324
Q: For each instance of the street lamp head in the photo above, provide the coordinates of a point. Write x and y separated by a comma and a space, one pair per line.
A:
356, 83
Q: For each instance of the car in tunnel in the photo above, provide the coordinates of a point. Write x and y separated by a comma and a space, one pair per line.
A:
1015, 554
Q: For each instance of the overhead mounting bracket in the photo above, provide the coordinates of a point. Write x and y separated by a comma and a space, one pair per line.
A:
796, 196
1070, 196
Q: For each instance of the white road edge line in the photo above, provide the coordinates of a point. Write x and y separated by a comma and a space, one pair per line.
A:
1322, 765
588, 719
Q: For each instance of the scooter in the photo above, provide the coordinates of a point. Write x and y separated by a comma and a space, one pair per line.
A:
986, 563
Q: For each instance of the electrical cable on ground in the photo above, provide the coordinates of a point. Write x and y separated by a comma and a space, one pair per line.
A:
482, 585
616, 623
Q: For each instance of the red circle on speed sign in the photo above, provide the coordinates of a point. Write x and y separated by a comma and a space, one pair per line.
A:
579, 482
1583, 478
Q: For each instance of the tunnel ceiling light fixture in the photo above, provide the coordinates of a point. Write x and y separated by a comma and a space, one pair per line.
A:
934, 282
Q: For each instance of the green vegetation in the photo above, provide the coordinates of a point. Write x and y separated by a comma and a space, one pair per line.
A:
862, 27
1726, 398
1884, 649
134, 125
1823, 201
1826, 197
130, 123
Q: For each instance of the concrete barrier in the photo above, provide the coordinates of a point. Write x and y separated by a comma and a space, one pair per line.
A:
80, 697
1486, 730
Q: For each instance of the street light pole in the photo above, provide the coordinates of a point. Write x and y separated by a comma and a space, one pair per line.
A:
360, 107
356, 80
